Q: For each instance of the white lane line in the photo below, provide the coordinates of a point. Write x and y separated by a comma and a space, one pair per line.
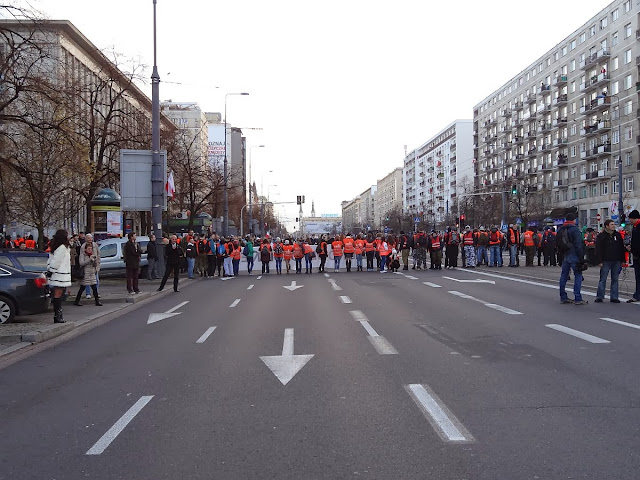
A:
177, 307
433, 285
502, 309
411, 278
368, 328
577, 333
205, 335
235, 302
224, 279
443, 421
630, 325
117, 428
333, 284
382, 346
259, 277
358, 316
326, 275
250, 287
345, 299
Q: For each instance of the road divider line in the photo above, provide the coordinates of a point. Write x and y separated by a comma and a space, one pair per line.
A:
500, 308
369, 328
382, 346
433, 285
111, 434
235, 302
630, 325
259, 277
411, 277
177, 307
358, 316
250, 287
326, 275
577, 333
345, 299
205, 335
333, 284
445, 423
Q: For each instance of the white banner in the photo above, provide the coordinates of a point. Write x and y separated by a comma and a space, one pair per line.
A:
216, 144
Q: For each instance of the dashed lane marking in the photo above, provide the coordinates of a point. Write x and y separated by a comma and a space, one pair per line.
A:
259, 277
433, 285
345, 299
235, 302
250, 287
577, 333
334, 285
205, 335
500, 308
630, 325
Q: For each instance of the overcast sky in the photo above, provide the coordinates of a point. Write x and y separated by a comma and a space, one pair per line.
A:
339, 86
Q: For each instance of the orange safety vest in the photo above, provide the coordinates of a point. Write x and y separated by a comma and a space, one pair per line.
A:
323, 248
468, 238
348, 245
369, 247
297, 251
236, 253
288, 251
435, 243
539, 235
337, 248
383, 248
495, 239
307, 248
359, 246
528, 239
512, 236
278, 255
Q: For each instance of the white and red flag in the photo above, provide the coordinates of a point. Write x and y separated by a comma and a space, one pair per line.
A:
170, 187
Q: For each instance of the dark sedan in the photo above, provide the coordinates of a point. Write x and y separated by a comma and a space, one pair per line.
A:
23, 286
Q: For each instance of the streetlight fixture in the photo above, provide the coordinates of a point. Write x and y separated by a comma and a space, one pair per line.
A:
225, 225
250, 188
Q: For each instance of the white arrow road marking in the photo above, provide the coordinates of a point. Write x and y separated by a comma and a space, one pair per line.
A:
470, 281
577, 333
285, 366
381, 344
441, 419
117, 428
433, 285
235, 302
345, 299
500, 308
250, 287
333, 284
156, 317
293, 286
630, 325
205, 335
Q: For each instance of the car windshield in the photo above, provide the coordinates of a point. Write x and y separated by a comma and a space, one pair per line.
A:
33, 263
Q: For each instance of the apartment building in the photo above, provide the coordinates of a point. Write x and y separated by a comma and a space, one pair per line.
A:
388, 196
435, 173
192, 123
561, 127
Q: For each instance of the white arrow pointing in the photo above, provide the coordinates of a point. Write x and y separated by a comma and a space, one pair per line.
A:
470, 281
286, 366
293, 286
156, 317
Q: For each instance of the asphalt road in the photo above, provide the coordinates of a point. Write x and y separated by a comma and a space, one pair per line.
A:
354, 375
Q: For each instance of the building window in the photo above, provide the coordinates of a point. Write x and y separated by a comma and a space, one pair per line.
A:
574, 172
574, 129
614, 64
629, 135
614, 186
556, 56
592, 31
628, 107
564, 49
614, 137
594, 191
615, 15
572, 45
572, 65
572, 87
627, 56
615, 88
583, 192
604, 188
573, 151
627, 82
583, 37
628, 159
603, 23
626, 6
627, 30
628, 184
614, 39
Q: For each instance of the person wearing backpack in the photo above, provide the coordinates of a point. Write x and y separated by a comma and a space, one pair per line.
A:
590, 245
278, 255
298, 254
221, 254
549, 246
265, 255
569, 239
248, 252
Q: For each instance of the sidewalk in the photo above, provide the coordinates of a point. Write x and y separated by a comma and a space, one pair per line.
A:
31, 329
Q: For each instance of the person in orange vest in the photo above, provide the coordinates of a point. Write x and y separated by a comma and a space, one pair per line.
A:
287, 249
236, 254
435, 251
278, 255
513, 243
590, 246
336, 249
308, 256
468, 244
30, 243
322, 252
539, 247
529, 240
298, 254
348, 249
369, 251
495, 240
383, 251
359, 246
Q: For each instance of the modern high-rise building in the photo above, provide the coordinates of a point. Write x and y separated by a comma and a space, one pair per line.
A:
192, 125
556, 133
435, 174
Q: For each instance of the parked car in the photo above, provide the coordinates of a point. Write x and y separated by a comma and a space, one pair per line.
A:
112, 256
22, 293
25, 260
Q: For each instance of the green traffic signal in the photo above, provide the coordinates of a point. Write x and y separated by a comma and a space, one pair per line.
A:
514, 190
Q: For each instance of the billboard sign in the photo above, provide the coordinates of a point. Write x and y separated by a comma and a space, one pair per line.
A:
216, 144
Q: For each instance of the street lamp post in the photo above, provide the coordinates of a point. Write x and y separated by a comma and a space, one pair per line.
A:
225, 224
620, 205
251, 189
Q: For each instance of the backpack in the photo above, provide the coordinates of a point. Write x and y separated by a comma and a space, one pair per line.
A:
563, 242
494, 236
278, 249
222, 251
319, 248
423, 240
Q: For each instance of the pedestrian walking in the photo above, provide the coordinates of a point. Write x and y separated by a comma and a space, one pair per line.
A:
609, 257
634, 249
248, 252
89, 262
322, 252
513, 241
173, 255
265, 256
59, 272
88, 238
336, 250
152, 258
570, 239
278, 254
132, 254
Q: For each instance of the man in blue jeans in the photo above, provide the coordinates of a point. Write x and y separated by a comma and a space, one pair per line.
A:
634, 248
609, 256
572, 258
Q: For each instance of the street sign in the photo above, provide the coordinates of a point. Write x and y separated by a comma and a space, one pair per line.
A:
519, 221
386, 229
598, 217
614, 217
416, 220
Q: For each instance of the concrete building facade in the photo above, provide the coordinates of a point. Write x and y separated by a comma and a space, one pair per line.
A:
560, 128
388, 196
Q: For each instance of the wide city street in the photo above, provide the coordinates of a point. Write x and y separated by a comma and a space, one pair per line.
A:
436, 374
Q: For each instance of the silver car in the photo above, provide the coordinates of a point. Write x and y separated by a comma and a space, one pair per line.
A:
112, 256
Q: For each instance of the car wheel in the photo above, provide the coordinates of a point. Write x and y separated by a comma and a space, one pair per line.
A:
7, 310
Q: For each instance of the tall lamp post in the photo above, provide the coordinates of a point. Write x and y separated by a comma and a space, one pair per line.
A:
620, 205
251, 189
225, 225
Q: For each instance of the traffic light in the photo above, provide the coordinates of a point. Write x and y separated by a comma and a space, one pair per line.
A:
623, 220
297, 219
514, 190
462, 217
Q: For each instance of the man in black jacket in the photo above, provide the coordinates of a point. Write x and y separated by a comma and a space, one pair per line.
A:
609, 253
152, 258
634, 248
173, 255
132, 256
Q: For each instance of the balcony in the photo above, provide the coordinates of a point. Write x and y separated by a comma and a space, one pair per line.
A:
516, 122
594, 82
520, 156
596, 128
532, 171
560, 100
600, 103
544, 89
453, 145
529, 99
595, 58
559, 121
532, 151
532, 134
506, 113
558, 142
543, 108
544, 127
559, 80
544, 147
490, 122
518, 105
518, 139
559, 183
561, 161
